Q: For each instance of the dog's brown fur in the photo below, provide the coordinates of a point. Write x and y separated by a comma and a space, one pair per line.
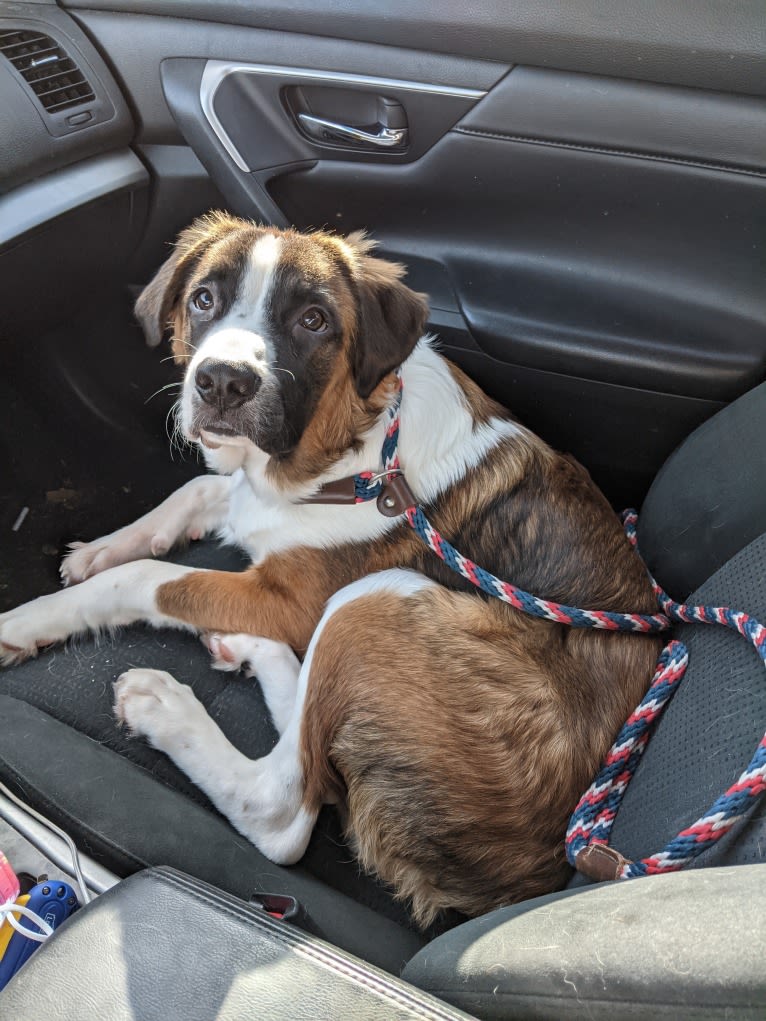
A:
460, 735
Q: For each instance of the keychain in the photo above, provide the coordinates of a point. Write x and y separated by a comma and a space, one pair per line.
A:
45, 907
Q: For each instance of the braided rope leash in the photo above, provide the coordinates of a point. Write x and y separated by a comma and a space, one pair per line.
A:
369, 486
521, 600
591, 822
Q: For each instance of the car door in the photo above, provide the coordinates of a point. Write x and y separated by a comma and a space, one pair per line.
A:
580, 191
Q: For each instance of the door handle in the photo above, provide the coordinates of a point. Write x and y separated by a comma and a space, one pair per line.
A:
322, 130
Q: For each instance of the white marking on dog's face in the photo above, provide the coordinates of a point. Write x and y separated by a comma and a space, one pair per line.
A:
238, 338
256, 282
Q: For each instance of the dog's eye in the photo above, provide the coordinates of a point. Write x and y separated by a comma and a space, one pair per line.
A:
313, 319
203, 300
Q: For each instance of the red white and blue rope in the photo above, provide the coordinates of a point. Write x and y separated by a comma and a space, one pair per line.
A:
521, 600
364, 486
592, 819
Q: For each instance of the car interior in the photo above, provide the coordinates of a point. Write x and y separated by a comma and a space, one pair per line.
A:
580, 190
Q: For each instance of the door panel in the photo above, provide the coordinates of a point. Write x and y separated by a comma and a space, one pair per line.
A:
591, 245
592, 283
609, 268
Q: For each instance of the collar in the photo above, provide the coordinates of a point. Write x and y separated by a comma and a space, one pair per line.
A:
388, 487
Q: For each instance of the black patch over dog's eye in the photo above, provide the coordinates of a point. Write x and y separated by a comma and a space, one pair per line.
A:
313, 319
203, 300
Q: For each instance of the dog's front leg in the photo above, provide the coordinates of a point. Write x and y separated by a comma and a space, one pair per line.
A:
196, 508
282, 599
262, 798
122, 595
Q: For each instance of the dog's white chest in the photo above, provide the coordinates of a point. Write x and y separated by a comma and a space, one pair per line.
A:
251, 520
265, 523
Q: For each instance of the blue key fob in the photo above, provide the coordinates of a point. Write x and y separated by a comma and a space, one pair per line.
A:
53, 902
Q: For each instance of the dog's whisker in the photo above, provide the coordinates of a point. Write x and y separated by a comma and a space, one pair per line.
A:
168, 431
186, 343
175, 434
276, 368
167, 386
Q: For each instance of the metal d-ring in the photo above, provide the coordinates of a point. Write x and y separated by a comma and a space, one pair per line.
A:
375, 479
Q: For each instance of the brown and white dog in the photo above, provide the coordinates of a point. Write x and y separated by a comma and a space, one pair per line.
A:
455, 732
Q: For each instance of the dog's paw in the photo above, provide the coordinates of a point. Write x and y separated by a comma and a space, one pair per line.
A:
152, 704
11, 654
85, 559
23, 632
244, 652
227, 652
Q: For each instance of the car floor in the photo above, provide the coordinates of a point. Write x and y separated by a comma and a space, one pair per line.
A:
84, 440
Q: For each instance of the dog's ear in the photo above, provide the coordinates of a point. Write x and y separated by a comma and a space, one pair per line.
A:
154, 307
391, 317
157, 308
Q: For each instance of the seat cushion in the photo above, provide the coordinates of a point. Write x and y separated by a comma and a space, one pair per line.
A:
682, 947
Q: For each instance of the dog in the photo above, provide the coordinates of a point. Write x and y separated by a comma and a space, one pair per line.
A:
454, 732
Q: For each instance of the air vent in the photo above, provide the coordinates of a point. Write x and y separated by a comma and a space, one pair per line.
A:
52, 75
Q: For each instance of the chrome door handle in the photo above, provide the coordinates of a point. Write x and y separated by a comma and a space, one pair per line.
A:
329, 131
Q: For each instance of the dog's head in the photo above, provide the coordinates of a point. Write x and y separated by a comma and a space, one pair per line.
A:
271, 323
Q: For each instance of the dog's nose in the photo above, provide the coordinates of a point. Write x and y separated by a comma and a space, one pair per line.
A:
225, 385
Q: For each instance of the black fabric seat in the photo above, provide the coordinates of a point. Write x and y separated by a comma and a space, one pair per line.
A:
702, 532
703, 526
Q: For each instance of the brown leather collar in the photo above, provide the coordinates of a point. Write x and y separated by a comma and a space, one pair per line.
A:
395, 496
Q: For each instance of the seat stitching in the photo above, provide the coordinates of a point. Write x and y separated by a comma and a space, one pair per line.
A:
299, 943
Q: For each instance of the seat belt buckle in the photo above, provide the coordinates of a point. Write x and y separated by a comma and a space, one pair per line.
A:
285, 908
281, 906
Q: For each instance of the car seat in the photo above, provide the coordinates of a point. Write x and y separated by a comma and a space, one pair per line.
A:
682, 945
